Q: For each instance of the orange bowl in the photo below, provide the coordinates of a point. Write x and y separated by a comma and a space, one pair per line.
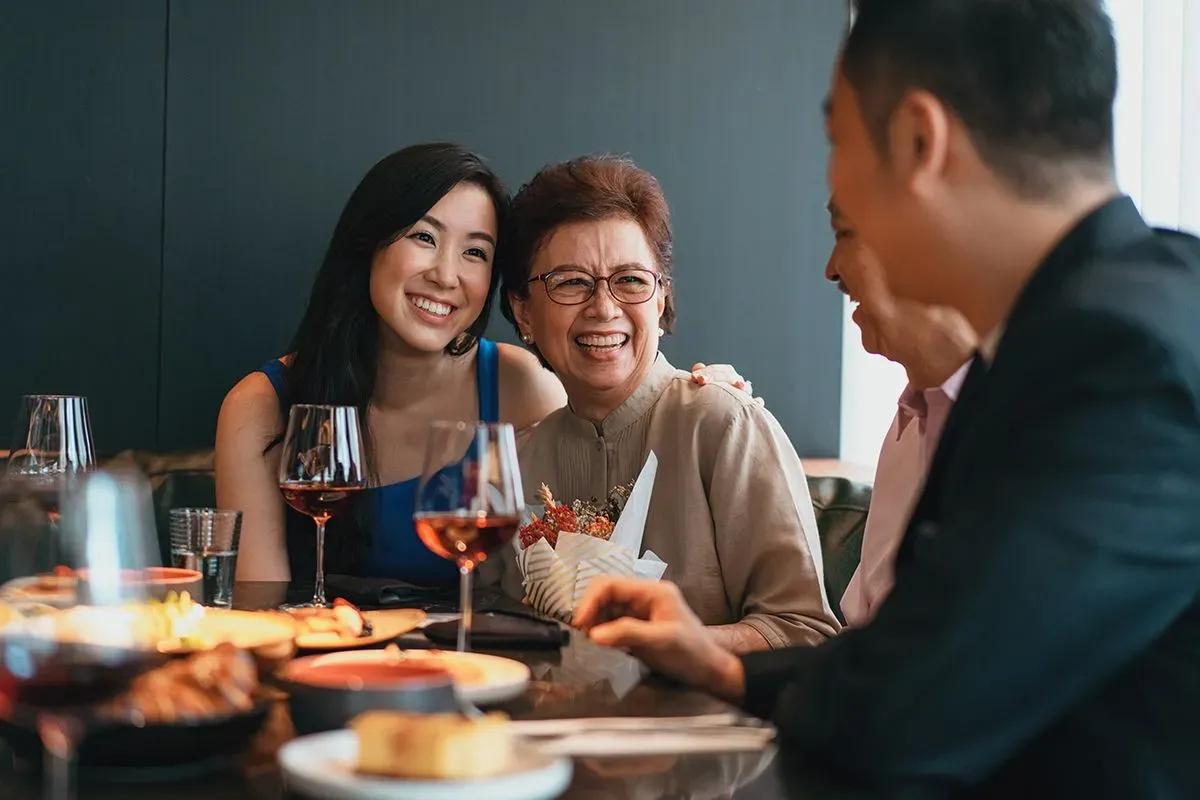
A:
325, 694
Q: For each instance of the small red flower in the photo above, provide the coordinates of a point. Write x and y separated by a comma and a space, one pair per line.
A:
537, 529
601, 528
562, 518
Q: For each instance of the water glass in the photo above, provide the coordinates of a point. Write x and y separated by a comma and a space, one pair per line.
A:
206, 540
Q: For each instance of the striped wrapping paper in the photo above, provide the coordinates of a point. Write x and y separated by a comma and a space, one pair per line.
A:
555, 579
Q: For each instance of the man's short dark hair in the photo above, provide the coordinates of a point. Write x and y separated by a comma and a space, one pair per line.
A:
1032, 80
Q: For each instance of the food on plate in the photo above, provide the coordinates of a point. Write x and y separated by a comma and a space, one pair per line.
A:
592, 517
432, 746
464, 673
7, 614
319, 626
176, 622
217, 682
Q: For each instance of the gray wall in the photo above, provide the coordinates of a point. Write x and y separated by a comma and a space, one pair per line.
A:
81, 151
275, 108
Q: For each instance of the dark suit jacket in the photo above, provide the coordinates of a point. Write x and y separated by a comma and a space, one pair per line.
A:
1043, 636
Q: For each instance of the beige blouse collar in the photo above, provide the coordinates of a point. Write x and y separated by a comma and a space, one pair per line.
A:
634, 408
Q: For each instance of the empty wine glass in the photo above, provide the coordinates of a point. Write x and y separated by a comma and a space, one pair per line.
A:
55, 667
469, 506
52, 445
323, 467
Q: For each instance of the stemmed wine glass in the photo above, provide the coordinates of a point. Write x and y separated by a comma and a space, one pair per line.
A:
52, 445
467, 507
55, 667
323, 467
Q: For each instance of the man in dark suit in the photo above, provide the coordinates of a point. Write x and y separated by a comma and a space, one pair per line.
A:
1043, 636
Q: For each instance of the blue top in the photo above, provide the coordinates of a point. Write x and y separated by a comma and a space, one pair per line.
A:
395, 551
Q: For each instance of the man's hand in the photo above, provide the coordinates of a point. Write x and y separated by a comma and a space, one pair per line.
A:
651, 621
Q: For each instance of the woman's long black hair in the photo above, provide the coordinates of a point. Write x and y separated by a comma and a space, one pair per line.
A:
335, 348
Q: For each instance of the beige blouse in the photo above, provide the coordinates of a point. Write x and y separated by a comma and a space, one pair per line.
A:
730, 513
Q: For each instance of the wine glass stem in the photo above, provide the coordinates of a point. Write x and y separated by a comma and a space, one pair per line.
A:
464, 602
59, 734
319, 585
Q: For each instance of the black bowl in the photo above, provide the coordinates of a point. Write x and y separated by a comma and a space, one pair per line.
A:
325, 698
122, 747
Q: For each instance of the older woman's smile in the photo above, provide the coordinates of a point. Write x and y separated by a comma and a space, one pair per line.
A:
602, 342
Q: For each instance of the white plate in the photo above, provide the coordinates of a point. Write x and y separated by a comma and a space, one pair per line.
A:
479, 679
323, 765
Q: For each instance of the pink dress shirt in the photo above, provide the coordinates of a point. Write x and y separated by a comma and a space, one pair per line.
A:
903, 462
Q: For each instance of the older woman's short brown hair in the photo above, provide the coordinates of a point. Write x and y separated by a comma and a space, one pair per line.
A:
585, 189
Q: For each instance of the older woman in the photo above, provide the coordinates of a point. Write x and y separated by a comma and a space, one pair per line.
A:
586, 280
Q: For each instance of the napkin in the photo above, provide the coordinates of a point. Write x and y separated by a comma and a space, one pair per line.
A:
639, 736
502, 630
555, 579
371, 593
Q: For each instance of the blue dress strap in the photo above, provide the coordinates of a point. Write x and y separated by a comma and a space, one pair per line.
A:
276, 373
487, 376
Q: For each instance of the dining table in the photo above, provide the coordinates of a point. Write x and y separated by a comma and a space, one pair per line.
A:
579, 680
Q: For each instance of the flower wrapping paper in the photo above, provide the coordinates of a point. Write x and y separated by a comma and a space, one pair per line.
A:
555, 579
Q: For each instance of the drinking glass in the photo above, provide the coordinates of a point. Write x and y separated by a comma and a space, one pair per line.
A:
52, 444
206, 540
469, 506
322, 469
55, 667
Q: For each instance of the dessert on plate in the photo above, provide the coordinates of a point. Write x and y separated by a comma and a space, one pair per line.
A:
432, 746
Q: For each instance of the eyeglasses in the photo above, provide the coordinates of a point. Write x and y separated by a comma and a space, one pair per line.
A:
631, 285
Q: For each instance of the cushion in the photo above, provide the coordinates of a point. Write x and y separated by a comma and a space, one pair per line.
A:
841, 507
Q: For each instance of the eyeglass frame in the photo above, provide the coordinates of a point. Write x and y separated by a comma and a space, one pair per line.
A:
660, 280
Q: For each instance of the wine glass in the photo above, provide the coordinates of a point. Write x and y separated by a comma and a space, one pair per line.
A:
52, 445
468, 506
55, 667
322, 469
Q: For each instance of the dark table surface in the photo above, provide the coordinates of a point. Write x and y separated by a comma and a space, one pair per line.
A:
580, 680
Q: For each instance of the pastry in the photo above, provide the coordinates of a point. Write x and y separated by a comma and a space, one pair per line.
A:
432, 746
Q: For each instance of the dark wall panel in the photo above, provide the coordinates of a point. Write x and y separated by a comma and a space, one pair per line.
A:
81, 129
276, 108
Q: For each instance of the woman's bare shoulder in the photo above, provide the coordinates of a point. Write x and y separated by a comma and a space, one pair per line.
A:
251, 406
528, 391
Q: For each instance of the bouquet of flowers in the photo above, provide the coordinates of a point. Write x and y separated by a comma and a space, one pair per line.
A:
564, 548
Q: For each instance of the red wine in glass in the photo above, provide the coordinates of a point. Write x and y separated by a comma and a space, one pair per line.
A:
315, 500
468, 506
322, 468
452, 536
58, 665
48, 675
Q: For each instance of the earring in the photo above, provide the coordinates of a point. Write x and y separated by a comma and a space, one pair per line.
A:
526, 338
661, 333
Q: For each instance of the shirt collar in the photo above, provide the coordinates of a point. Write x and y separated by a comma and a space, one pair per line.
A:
636, 406
987, 348
914, 403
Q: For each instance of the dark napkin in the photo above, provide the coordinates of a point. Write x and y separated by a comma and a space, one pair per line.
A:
371, 593
502, 630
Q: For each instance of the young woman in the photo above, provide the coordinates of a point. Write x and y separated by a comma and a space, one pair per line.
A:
394, 326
